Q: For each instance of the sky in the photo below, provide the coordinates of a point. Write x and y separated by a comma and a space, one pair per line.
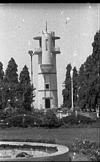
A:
75, 24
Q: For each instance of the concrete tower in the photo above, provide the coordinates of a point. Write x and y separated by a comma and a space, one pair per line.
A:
47, 75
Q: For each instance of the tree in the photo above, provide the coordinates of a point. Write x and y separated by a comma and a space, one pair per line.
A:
25, 91
75, 87
92, 68
24, 76
11, 82
89, 78
67, 88
96, 68
1, 85
1, 72
11, 75
87, 83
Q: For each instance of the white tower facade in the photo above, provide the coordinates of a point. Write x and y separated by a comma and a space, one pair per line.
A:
47, 73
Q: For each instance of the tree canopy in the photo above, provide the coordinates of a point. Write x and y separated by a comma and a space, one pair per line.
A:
1, 72
25, 89
11, 75
86, 81
15, 90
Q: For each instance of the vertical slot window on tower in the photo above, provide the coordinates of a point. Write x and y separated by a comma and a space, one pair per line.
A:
53, 42
47, 86
47, 103
46, 41
40, 43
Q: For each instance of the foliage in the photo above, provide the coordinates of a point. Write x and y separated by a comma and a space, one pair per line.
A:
89, 149
25, 89
67, 88
1, 83
50, 119
9, 84
89, 78
86, 82
75, 87
11, 75
1, 72
24, 76
16, 93
35, 119
79, 120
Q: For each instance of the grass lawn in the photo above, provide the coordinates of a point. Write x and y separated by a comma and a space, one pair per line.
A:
63, 136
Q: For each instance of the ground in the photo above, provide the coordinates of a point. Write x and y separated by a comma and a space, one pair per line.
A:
63, 136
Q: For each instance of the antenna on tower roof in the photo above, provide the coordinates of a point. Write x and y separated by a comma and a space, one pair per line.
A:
46, 25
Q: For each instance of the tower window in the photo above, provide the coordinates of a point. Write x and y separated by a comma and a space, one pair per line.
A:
47, 86
46, 44
40, 43
53, 43
47, 103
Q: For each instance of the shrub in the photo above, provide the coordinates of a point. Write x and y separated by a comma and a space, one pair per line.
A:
20, 120
14, 121
25, 120
38, 118
50, 119
72, 119
2, 115
90, 149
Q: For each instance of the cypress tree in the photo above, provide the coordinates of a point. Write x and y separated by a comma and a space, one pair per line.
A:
89, 78
1, 72
67, 88
11, 75
25, 89
1, 85
75, 87
11, 82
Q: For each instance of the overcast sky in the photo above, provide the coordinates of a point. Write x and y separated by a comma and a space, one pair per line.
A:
76, 24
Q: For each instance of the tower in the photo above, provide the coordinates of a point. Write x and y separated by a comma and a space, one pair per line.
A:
47, 74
